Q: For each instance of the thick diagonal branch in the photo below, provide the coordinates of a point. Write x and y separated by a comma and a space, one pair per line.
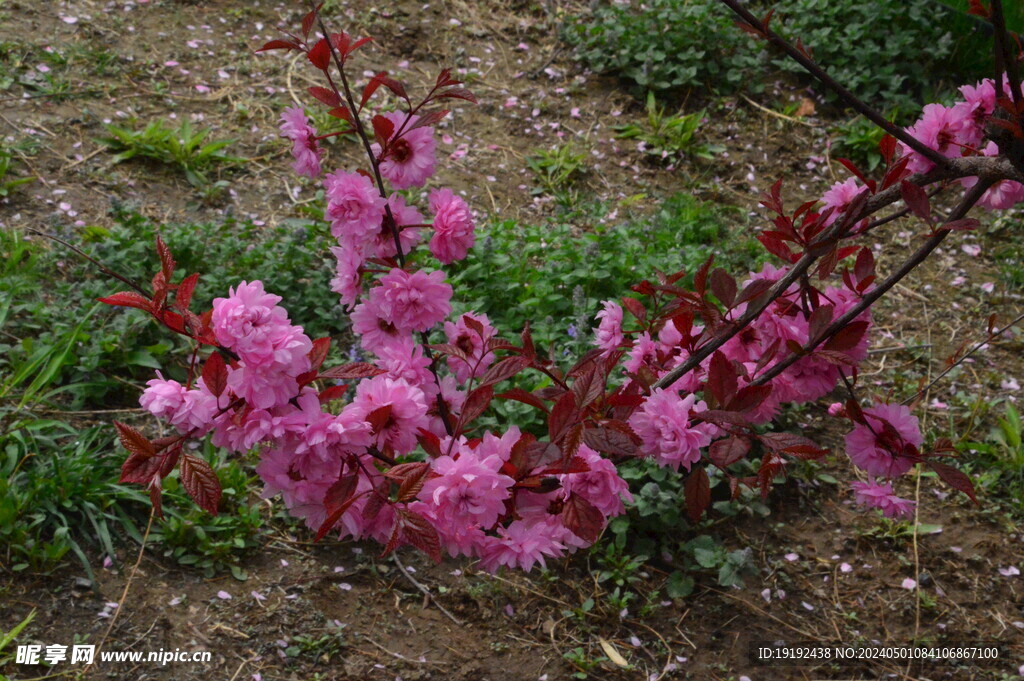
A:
828, 81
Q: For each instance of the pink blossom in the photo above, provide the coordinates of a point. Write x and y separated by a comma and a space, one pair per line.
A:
407, 414
409, 160
608, 333
839, 198
461, 335
940, 128
406, 219
354, 207
882, 497
403, 358
663, 424
453, 226
1003, 194
411, 302
296, 127
644, 352
467, 488
198, 408
373, 331
453, 398
601, 485
162, 397
249, 320
870, 447
347, 281
521, 545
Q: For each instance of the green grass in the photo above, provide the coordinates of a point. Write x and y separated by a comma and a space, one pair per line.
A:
183, 148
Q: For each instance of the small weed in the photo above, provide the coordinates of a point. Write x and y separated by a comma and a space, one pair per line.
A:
557, 171
668, 137
858, 141
9, 184
1000, 460
182, 147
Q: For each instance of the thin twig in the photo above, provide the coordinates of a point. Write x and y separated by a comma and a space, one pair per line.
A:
992, 336
424, 590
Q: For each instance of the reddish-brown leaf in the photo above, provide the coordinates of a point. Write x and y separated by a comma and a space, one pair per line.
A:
562, 415
410, 478
201, 483
320, 55
724, 453
609, 441
917, 200
697, 490
215, 374
635, 307
134, 441
325, 96
504, 369
353, 370
954, 478
582, 518
520, 395
476, 404
129, 299
279, 45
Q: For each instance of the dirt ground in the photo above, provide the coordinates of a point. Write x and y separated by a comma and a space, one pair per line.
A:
827, 571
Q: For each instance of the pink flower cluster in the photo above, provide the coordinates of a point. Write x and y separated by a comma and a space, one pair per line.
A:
959, 130
305, 150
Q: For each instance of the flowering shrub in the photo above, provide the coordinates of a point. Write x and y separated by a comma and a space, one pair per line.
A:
388, 449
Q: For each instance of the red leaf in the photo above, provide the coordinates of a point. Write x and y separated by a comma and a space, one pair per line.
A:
382, 129
183, 296
476, 404
609, 441
887, 147
353, 370
215, 374
356, 45
848, 337
697, 490
562, 415
325, 96
504, 369
417, 531
309, 19
334, 392
582, 518
379, 417
430, 118
410, 478
339, 497
320, 55
749, 397
635, 307
572, 441
724, 287
917, 200
431, 443
722, 381
371, 87
279, 45
457, 93
318, 353
791, 443
129, 299
724, 453
954, 478
588, 386
134, 441
140, 469
343, 113
520, 395
200, 482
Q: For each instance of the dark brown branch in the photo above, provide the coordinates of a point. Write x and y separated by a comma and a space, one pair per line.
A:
819, 73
